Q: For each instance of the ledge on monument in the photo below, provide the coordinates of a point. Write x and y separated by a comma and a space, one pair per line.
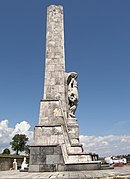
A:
51, 145
72, 119
76, 145
50, 100
75, 153
39, 125
83, 163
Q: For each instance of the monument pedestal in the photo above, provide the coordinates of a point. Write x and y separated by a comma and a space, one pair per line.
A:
50, 159
46, 158
56, 143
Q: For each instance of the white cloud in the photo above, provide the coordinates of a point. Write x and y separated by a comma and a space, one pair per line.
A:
23, 128
106, 145
6, 133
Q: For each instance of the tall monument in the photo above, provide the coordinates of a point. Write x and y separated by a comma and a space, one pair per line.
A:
56, 137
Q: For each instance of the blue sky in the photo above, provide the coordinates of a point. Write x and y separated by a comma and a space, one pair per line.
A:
97, 47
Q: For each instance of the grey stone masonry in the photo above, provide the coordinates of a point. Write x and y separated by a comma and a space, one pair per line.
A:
55, 58
45, 158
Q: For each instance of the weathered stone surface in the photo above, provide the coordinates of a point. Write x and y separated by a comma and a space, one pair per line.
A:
37, 156
52, 159
55, 59
44, 157
82, 167
74, 150
57, 150
48, 135
50, 113
37, 159
34, 168
47, 168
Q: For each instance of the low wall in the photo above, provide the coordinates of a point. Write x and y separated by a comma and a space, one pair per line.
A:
6, 162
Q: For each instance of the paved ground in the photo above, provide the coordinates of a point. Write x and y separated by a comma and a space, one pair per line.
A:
116, 173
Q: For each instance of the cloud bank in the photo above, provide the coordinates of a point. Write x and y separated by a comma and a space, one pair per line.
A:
106, 145
7, 133
102, 145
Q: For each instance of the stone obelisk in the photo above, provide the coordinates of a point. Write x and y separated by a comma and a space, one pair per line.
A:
56, 137
55, 58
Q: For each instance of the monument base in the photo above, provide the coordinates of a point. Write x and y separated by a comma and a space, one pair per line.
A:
50, 159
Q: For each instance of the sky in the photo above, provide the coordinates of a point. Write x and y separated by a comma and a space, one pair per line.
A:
97, 47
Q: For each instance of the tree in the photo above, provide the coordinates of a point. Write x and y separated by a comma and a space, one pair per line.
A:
27, 150
19, 143
6, 151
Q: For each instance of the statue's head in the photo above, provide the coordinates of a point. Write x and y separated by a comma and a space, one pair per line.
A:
71, 75
74, 75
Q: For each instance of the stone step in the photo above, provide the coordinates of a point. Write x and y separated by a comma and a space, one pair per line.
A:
83, 166
106, 166
25, 170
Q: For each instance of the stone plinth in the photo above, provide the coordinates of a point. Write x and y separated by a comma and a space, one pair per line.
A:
46, 158
50, 159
